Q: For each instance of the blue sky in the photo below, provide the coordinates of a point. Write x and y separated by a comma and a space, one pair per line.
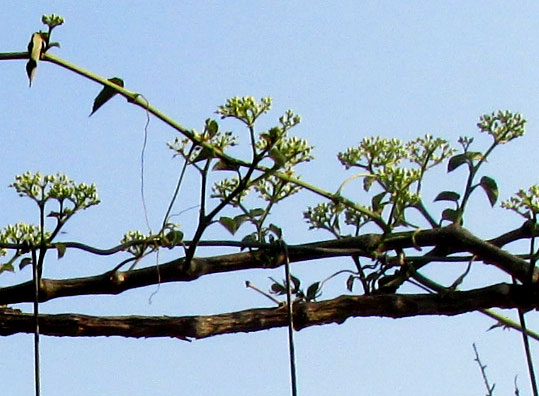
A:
351, 69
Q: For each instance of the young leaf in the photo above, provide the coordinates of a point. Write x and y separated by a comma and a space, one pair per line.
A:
447, 196
7, 267
24, 262
61, 249
276, 230
367, 182
296, 282
106, 94
223, 165
277, 288
312, 291
491, 189
278, 157
456, 161
350, 282
35, 47
450, 214
230, 224
377, 207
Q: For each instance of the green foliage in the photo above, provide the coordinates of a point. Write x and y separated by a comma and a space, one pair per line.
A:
71, 197
503, 126
524, 202
393, 172
245, 109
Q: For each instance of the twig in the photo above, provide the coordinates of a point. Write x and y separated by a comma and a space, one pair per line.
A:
251, 286
490, 389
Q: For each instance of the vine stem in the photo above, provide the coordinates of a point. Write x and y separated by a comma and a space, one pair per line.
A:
138, 100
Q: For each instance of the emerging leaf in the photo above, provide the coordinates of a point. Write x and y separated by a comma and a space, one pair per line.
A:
456, 161
312, 291
491, 189
35, 47
24, 262
106, 94
61, 249
450, 214
447, 196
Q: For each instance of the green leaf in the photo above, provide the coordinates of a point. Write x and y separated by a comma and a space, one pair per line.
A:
256, 212
450, 214
212, 127
7, 267
24, 262
205, 153
350, 282
35, 47
312, 291
447, 196
276, 230
106, 94
491, 189
367, 182
232, 224
456, 161
61, 249
377, 207
223, 165
296, 282
229, 223
173, 238
278, 157
277, 288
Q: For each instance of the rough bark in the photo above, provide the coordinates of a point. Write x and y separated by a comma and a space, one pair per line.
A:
306, 314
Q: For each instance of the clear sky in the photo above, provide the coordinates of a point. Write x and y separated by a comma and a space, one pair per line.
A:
351, 69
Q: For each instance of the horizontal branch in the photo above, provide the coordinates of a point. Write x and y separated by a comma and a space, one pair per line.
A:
453, 239
305, 314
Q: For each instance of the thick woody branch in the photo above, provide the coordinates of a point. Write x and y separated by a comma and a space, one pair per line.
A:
305, 314
451, 239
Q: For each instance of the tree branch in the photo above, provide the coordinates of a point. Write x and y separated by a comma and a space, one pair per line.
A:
336, 310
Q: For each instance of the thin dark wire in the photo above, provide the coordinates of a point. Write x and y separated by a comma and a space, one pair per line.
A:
290, 321
37, 366
529, 361
142, 165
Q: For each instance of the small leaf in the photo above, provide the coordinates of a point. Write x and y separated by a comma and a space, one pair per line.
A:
205, 153
450, 214
7, 267
377, 207
276, 230
106, 94
456, 161
229, 223
277, 156
256, 212
172, 238
312, 291
212, 127
277, 288
60, 249
491, 189
35, 47
367, 182
223, 165
296, 282
350, 282
24, 262
447, 196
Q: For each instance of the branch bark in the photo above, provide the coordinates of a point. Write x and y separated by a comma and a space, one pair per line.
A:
309, 314
452, 239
